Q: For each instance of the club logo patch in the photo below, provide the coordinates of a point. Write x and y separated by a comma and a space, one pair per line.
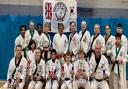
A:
60, 11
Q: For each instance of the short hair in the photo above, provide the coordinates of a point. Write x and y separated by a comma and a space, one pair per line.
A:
97, 25
39, 24
60, 24
53, 51
107, 25
30, 43
68, 54
81, 51
83, 22
119, 25
73, 22
118, 35
22, 26
18, 46
31, 21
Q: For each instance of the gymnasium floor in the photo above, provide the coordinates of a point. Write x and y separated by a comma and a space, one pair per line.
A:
2, 82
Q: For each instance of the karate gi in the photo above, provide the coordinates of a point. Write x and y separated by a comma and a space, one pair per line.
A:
74, 45
67, 78
119, 70
81, 82
60, 44
37, 70
103, 69
53, 67
84, 41
15, 73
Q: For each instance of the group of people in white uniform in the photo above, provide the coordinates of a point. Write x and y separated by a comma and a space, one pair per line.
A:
74, 62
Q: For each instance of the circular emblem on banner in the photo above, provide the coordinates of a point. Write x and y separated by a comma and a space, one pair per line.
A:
60, 11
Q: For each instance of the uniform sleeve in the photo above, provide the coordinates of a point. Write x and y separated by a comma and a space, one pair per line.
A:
58, 73
47, 69
77, 42
23, 76
87, 69
106, 66
103, 49
10, 71
66, 45
43, 69
85, 43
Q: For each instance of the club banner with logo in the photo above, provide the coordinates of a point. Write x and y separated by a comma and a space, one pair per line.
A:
59, 11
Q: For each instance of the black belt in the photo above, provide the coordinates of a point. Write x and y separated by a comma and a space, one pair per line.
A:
99, 80
66, 79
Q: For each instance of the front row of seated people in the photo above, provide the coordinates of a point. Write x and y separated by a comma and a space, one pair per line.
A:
91, 74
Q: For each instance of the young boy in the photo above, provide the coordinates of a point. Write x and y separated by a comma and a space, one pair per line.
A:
67, 72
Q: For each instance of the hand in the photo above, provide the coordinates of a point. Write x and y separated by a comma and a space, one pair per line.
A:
77, 75
38, 78
28, 62
85, 76
113, 60
17, 82
121, 61
9, 85
93, 74
105, 77
31, 77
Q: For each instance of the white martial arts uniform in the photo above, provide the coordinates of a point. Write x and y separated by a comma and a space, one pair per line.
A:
22, 41
109, 42
29, 37
98, 40
54, 67
37, 70
74, 45
119, 70
46, 44
60, 44
20, 73
67, 78
102, 69
30, 55
81, 82
124, 42
84, 41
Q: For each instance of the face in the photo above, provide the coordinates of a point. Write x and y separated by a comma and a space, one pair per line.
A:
60, 29
18, 51
96, 29
31, 26
68, 58
118, 40
39, 29
33, 46
81, 55
119, 30
97, 50
37, 54
53, 55
83, 26
107, 29
23, 30
73, 27
46, 28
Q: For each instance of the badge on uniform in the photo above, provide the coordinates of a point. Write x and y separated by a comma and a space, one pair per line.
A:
85, 39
